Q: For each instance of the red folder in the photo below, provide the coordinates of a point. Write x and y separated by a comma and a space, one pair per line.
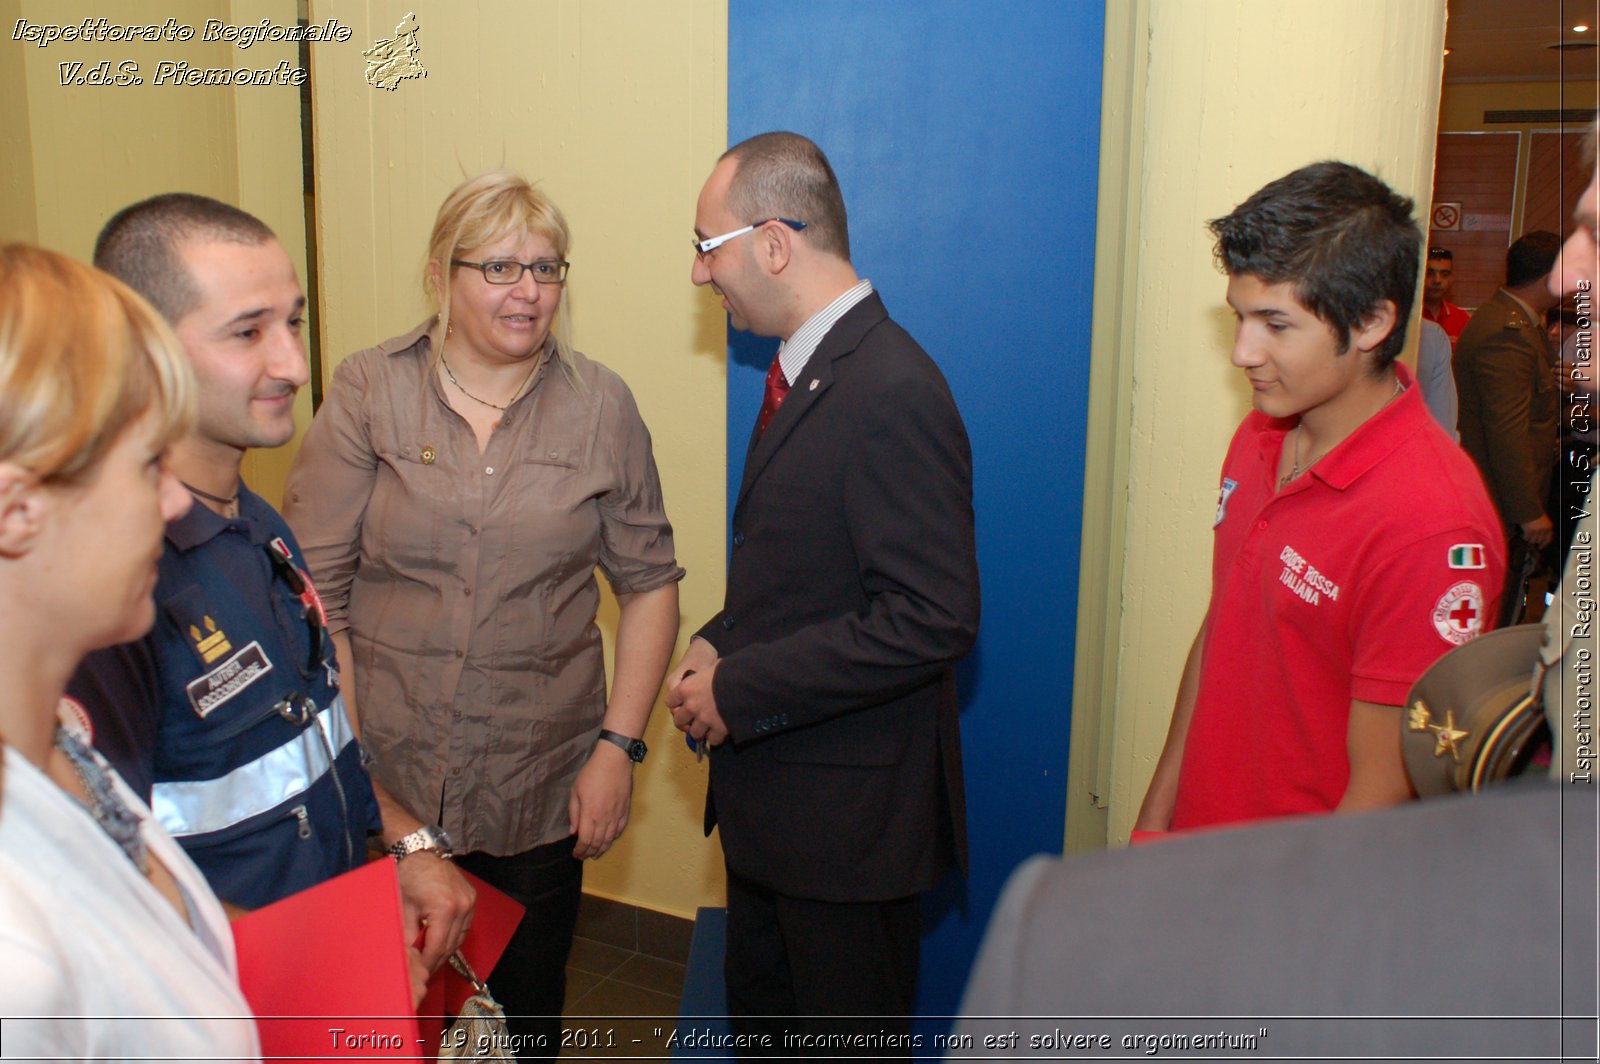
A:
325, 970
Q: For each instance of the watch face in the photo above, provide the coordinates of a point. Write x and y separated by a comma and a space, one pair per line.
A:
637, 750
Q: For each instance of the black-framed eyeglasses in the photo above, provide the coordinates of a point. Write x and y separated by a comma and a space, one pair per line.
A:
710, 244
509, 271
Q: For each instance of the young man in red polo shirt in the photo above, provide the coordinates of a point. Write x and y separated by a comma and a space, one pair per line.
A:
1438, 285
1354, 541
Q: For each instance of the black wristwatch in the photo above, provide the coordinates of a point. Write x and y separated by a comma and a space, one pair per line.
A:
634, 748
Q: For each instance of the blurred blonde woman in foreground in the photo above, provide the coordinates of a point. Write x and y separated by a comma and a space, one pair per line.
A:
111, 943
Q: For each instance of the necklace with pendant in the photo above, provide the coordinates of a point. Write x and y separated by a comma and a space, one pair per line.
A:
1296, 468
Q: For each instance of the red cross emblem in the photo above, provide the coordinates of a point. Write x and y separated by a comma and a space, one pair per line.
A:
1458, 615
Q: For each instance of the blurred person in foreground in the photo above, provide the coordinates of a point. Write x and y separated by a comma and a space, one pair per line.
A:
110, 940
455, 495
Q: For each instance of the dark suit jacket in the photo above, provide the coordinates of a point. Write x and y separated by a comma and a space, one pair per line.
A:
1509, 405
852, 592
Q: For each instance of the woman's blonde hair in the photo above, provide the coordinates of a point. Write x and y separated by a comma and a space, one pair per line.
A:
483, 210
82, 357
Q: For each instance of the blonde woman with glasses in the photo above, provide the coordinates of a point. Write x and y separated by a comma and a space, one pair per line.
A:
454, 496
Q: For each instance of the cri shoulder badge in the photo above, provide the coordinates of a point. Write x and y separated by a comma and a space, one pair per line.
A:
1466, 556
1229, 485
1458, 615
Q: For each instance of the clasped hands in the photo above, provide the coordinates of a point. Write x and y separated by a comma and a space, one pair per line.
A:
690, 696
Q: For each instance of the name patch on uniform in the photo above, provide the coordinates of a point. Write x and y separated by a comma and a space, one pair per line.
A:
228, 679
1229, 485
1466, 556
1458, 615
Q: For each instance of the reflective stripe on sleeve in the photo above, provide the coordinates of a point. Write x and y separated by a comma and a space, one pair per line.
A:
199, 807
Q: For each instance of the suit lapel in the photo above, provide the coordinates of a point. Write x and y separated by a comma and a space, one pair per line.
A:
814, 382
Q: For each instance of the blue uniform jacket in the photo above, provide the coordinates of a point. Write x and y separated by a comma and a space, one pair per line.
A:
227, 714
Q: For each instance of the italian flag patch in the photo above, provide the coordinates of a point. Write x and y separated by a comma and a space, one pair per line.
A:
1466, 556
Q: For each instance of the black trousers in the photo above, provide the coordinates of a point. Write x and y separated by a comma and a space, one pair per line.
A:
530, 982
804, 972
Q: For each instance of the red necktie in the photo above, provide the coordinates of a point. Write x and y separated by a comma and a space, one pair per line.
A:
777, 388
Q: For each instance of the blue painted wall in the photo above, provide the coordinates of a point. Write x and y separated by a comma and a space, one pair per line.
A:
966, 138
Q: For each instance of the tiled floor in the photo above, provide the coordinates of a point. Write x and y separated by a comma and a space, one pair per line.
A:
624, 981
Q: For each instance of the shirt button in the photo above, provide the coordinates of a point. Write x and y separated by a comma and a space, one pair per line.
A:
488, 471
738, 539
1262, 526
472, 530
467, 591
727, 624
461, 653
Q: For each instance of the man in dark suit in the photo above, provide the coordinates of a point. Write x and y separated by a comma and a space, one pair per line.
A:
825, 688
1510, 403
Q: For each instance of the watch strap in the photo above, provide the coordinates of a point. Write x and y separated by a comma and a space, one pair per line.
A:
634, 748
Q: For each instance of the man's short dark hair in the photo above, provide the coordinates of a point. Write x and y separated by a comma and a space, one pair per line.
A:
1442, 253
785, 175
141, 245
1531, 257
1343, 238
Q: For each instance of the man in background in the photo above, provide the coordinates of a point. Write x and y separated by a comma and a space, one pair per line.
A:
1509, 403
1438, 285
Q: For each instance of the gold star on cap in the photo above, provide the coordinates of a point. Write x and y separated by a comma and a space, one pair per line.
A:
1448, 735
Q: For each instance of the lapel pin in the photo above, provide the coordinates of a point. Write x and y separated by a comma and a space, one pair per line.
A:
428, 455
814, 384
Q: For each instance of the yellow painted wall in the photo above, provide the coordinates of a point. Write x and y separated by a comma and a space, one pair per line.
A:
1220, 107
76, 154
1462, 104
618, 109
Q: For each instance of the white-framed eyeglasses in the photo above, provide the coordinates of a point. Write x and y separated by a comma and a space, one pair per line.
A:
710, 244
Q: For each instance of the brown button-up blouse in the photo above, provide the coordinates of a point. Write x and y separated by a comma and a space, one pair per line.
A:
467, 580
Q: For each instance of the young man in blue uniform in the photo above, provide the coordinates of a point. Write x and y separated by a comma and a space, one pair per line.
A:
228, 714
